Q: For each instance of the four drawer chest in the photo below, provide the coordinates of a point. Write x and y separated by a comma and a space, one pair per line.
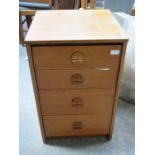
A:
76, 59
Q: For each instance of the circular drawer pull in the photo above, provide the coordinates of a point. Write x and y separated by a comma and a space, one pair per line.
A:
77, 125
77, 102
76, 79
77, 58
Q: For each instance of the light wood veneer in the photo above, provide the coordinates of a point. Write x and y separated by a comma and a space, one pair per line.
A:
76, 61
58, 126
82, 101
61, 57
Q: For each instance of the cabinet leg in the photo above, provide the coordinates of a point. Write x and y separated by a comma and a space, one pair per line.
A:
109, 137
45, 140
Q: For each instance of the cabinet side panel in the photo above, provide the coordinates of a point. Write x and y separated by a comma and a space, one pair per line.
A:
33, 77
117, 87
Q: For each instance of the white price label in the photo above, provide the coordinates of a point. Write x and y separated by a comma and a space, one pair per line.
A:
115, 52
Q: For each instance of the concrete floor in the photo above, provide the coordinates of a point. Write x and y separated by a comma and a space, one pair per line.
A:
122, 143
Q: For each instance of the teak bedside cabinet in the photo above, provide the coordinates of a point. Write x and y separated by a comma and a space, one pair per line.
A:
76, 59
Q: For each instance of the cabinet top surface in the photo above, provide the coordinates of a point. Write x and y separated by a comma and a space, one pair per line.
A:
74, 26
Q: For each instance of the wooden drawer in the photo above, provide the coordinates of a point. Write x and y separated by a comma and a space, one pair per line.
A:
57, 79
76, 125
75, 57
84, 101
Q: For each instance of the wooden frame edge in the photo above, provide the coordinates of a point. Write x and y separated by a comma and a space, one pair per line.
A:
124, 45
35, 88
67, 42
29, 12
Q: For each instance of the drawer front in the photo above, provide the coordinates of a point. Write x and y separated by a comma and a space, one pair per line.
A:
75, 57
58, 79
90, 101
76, 125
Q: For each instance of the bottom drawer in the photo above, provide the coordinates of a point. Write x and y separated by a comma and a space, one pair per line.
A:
76, 125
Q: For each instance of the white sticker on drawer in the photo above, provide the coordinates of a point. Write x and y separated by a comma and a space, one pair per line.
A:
115, 52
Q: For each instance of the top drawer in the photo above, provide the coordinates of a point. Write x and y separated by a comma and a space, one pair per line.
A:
76, 57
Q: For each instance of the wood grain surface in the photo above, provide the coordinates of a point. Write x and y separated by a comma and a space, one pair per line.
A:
62, 79
57, 126
92, 101
76, 78
60, 57
74, 25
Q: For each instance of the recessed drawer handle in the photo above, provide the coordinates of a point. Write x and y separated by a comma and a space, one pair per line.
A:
76, 79
77, 102
77, 125
77, 58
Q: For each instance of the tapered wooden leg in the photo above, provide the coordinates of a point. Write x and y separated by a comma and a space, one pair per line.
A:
59, 5
55, 4
84, 4
21, 34
28, 20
